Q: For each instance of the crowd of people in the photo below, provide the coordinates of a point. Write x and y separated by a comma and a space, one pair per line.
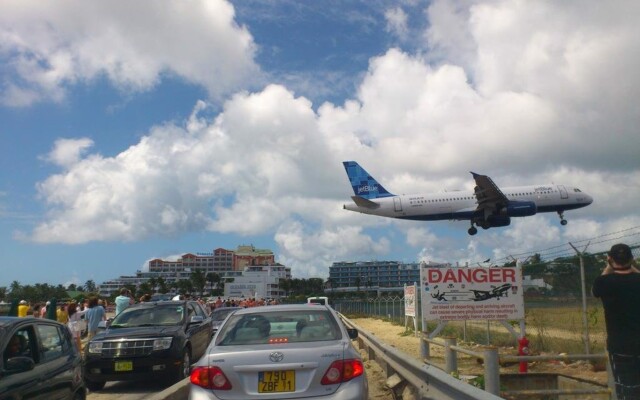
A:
68, 313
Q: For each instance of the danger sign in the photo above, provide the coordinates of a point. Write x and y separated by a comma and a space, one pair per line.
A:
450, 294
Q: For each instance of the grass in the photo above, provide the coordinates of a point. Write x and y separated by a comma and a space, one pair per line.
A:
550, 327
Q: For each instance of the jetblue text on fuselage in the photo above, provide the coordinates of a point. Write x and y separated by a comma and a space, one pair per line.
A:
367, 188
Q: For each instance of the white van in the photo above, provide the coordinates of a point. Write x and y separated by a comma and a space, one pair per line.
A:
318, 300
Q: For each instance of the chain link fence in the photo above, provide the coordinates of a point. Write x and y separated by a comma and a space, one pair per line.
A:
551, 324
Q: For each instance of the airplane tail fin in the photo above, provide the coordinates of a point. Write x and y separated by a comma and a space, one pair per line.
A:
363, 184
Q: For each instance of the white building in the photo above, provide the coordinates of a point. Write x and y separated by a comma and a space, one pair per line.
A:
259, 281
537, 284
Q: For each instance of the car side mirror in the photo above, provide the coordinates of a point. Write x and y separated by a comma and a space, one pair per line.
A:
196, 319
15, 365
353, 333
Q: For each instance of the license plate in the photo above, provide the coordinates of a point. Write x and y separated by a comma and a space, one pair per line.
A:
277, 381
122, 366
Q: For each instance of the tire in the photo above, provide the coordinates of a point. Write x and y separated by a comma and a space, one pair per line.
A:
185, 366
94, 386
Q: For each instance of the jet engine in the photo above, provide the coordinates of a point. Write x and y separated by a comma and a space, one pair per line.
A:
497, 220
519, 209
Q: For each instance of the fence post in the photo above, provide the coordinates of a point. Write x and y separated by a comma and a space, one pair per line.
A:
491, 370
424, 348
450, 355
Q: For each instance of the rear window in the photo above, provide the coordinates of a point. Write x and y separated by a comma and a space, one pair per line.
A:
149, 316
279, 327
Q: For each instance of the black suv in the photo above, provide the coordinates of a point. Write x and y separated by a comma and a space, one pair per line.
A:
153, 340
39, 360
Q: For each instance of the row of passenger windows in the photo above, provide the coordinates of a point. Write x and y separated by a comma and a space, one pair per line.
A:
473, 198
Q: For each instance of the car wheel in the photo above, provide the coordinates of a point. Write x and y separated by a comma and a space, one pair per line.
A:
185, 367
95, 386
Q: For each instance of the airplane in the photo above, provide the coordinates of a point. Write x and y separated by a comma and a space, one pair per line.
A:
500, 291
487, 206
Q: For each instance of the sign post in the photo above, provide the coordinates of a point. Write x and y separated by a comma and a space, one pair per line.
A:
410, 306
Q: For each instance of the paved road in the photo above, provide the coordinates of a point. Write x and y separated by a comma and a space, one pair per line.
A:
128, 390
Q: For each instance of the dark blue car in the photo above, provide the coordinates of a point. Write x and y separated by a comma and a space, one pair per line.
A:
39, 360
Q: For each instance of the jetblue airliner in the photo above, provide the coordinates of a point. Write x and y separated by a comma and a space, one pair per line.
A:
486, 206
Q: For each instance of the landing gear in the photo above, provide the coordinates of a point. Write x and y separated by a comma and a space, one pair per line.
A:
562, 220
472, 231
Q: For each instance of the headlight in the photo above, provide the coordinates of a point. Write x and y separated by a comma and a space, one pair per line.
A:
95, 347
162, 343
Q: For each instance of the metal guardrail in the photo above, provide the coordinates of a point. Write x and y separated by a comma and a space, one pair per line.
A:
427, 381
492, 360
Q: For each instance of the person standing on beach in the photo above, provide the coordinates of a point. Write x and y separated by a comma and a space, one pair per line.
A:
619, 289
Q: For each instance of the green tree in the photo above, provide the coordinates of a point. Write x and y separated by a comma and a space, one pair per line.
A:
214, 279
153, 283
199, 280
285, 285
143, 289
90, 286
163, 287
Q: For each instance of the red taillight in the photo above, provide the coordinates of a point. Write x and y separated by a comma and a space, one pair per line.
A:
342, 371
210, 378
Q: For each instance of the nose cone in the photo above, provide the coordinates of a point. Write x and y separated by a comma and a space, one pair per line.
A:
588, 199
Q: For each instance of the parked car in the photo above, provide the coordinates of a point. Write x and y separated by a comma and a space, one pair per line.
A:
155, 340
283, 352
220, 314
161, 297
39, 360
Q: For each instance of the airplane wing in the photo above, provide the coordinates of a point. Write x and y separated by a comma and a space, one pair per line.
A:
489, 196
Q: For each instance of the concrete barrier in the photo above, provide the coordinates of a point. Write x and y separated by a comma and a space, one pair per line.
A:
179, 391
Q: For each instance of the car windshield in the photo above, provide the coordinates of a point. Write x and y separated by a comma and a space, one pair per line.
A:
149, 316
279, 327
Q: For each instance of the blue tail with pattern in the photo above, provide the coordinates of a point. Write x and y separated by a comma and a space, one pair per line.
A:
363, 184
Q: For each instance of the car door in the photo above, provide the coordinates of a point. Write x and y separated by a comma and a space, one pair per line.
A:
200, 334
19, 385
58, 367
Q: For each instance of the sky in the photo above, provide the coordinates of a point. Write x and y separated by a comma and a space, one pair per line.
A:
138, 130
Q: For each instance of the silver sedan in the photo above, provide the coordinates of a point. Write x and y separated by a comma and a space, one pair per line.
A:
281, 352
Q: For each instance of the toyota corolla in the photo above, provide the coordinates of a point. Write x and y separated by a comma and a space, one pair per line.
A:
281, 352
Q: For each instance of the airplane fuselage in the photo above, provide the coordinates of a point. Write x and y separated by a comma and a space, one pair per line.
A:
462, 205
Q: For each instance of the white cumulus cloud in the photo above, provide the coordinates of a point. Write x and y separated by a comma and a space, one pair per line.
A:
46, 47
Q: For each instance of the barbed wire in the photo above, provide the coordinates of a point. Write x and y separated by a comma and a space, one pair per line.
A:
565, 250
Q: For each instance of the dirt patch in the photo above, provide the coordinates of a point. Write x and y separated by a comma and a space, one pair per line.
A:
395, 336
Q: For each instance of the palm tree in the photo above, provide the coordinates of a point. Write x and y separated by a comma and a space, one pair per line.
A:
285, 285
90, 286
214, 279
153, 282
162, 285
15, 287
199, 280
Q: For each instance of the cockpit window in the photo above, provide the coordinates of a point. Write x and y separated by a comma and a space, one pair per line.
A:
577, 190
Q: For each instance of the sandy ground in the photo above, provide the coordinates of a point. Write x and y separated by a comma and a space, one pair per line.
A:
393, 335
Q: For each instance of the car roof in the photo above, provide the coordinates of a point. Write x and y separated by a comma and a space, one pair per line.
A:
9, 321
149, 304
282, 307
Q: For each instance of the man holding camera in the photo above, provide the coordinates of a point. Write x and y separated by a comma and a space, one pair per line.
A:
619, 289
124, 300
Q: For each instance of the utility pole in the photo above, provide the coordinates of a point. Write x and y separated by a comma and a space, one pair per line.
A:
585, 321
